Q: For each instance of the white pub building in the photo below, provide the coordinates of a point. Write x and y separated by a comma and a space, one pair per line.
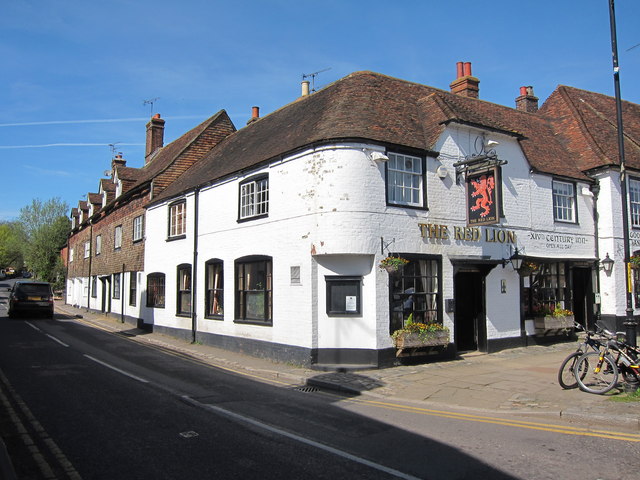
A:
271, 243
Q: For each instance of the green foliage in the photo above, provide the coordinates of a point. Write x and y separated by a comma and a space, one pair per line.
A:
12, 241
40, 214
43, 250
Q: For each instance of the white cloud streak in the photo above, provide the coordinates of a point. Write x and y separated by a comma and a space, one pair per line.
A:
102, 120
46, 145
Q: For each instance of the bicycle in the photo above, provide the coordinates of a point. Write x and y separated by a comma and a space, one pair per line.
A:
604, 375
566, 376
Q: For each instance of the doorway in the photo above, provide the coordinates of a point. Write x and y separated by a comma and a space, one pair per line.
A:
470, 327
106, 294
582, 295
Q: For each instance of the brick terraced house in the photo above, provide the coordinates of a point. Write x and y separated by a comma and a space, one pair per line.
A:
106, 245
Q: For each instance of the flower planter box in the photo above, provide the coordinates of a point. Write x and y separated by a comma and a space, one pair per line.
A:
414, 340
551, 323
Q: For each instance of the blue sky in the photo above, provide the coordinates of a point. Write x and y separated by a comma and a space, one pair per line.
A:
76, 74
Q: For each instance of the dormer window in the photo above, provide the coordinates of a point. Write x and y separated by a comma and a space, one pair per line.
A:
118, 188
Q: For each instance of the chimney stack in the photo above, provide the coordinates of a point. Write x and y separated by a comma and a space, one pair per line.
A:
527, 101
118, 161
465, 84
255, 115
155, 136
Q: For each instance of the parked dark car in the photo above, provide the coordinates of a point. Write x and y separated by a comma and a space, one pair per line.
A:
32, 297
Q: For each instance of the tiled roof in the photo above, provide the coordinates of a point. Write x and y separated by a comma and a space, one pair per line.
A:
381, 109
163, 158
587, 121
94, 198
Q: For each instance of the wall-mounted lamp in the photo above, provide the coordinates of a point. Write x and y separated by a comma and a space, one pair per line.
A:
515, 260
606, 265
375, 156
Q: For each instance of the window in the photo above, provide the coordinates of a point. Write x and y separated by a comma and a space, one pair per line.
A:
416, 291
253, 290
563, 201
178, 219
545, 289
634, 201
343, 295
155, 290
214, 284
184, 290
295, 276
133, 288
117, 238
87, 249
116, 285
138, 231
98, 245
94, 287
254, 198
71, 255
405, 180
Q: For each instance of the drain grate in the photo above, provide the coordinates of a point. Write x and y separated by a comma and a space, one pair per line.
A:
307, 389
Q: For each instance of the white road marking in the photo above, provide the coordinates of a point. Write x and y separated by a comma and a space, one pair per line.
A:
116, 369
298, 438
56, 340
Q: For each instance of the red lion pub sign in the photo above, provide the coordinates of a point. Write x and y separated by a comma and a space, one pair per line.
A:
482, 197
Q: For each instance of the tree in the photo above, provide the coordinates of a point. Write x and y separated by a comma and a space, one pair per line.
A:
39, 214
12, 241
43, 250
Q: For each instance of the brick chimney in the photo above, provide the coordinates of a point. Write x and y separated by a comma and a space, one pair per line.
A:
118, 161
155, 136
255, 115
527, 101
465, 84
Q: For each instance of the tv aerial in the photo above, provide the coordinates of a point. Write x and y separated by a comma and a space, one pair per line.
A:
313, 77
113, 148
151, 101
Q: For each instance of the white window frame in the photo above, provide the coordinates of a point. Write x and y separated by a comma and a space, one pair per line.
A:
564, 201
634, 202
138, 228
98, 245
87, 249
117, 238
70, 255
254, 198
178, 219
405, 180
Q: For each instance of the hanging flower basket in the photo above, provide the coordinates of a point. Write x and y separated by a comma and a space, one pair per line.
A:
528, 268
634, 261
393, 264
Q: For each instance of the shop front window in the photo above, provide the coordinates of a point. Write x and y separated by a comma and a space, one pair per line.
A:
545, 289
415, 290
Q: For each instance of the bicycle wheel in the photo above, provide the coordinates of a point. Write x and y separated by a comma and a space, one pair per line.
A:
566, 377
595, 376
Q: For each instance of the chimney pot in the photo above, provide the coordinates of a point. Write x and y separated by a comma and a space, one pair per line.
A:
467, 69
459, 70
305, 88
523, 90
255, 115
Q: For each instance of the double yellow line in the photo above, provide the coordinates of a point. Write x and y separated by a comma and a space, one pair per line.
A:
567, 430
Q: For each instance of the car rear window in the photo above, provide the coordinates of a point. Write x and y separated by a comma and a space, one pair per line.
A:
35, 289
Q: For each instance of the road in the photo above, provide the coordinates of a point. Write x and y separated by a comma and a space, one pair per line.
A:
99, 405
